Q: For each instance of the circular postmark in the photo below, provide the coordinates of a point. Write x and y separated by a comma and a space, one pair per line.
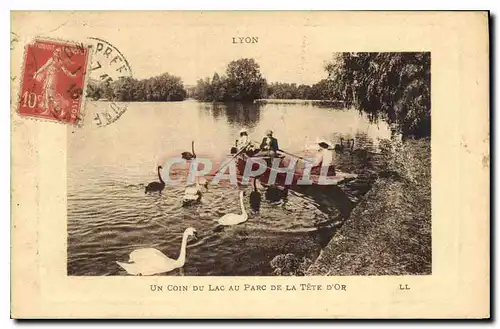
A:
107, 68
14, 39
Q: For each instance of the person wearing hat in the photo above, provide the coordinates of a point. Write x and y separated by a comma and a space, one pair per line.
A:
269, 143
243, 140
244, 143
324, 158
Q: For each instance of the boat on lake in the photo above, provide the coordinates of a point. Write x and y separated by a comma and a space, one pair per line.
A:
299, 178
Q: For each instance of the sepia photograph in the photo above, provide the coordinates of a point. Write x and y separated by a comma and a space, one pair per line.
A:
248, 196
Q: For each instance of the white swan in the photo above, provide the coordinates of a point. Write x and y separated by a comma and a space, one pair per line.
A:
149, 261
234, 219
202, 181
192, 193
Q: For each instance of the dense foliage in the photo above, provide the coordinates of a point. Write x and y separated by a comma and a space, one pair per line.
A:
161, 88
243, 82
289, 265
323, 90
392, 86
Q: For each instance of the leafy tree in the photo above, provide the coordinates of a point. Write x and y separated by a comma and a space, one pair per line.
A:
123, 88
392, 86
281, 90
218, 88
304, 92
323, 90
94, 90
140, 91
164, 87
203, 90
108, 91
244, 80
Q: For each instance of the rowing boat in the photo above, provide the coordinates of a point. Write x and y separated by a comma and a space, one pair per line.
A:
334, 177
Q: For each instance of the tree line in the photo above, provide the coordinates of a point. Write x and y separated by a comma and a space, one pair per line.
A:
323, 90
243, 81
391, 86
162, 88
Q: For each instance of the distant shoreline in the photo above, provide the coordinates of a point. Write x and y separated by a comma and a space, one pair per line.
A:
256, 101
299, 101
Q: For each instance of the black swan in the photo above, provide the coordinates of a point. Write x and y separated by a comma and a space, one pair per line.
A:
350, 144
189, 155
234, 149
339, 147
156, 186
275, 194
255, 197
360, 153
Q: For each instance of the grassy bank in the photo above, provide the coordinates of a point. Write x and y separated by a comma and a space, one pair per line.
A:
389, 231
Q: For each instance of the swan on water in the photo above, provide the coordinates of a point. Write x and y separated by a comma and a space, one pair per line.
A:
202, 181
234, 219
234, 149
275, 194
189, 155
351, 146
156, 186
363, 154
193, 193
339, 147
149, 261
255, 197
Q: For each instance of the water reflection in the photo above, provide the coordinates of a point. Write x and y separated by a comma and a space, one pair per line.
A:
236, 114
243, 114
217, 110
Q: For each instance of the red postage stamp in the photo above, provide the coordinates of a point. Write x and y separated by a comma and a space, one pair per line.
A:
53, 80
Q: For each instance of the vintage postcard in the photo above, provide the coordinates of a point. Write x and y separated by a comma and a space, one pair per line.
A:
250, 165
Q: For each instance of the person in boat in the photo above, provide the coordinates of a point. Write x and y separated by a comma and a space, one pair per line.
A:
324, 158
269, 144
243, 140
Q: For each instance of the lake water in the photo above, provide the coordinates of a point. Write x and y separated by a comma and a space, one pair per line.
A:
109, 215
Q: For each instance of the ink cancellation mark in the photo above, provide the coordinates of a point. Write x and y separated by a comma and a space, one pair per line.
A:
108, 66
13, 42
53, 78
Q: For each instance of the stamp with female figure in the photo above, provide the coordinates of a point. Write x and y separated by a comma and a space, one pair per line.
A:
53, 81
